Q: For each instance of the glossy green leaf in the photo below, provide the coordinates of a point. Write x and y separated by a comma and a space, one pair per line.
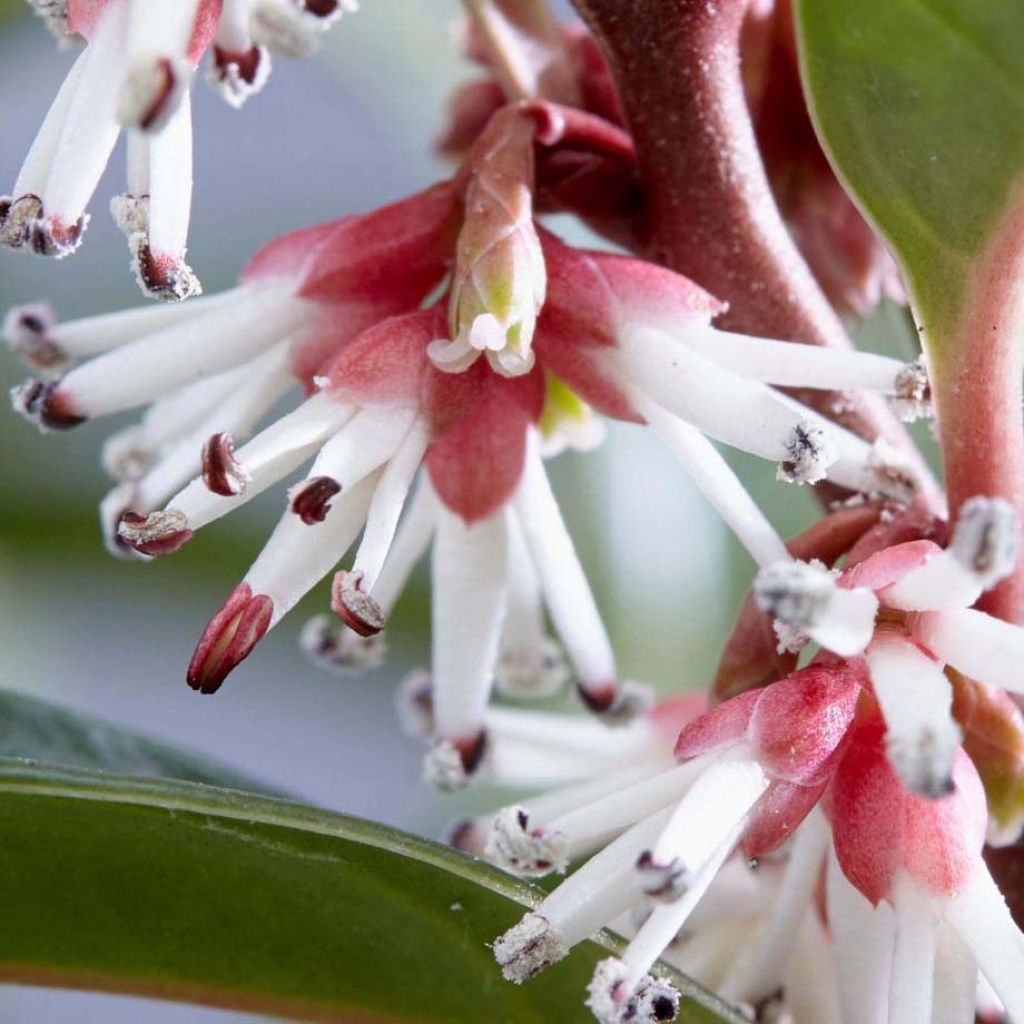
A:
223, 898
920, 104
35, 729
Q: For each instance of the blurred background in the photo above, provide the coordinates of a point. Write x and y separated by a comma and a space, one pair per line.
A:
345, 132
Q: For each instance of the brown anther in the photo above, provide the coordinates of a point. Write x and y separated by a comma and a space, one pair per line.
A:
159, 533
616, 703
356, 608
17, 215
312, 501
26, 329
162, 96
242, 66
42, 402
598, 698
165, 278
463, 835
321, 8
471, 751
222, 473
913, 392
229, 638
662, 882
48, 237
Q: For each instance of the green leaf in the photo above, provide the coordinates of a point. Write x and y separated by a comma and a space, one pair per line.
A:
36, 729
920, 104
223, 898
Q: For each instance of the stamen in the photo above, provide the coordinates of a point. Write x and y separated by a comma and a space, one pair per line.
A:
524, 851
986, 540
357, 609
984, 550
289, 29
229, 638
55, 16
239, 76
296, 558
411, 541
889, 474
804, 599
706, 395
612, 1001
159, 255
981, 919
267, 458
130, 211
159, 72
152, 90
549, 846
976, 644
18, 218
761, 963
528, 948
311, 499
48, 236
530, 671
46, 404
451, 764
789, 364
916, 701
167, 465
714, 807
86, 140
159, 533
469, 575
913, 962
115, 505
913, 399
27, 331
94, 335
617, 704
414, 703
718, 483
567, 593
590, 898
808, 455
388, 502
665, 921
336, 648
864, 938
221, 472
168, 278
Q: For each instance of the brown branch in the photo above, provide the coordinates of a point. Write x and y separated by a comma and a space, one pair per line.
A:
710, 213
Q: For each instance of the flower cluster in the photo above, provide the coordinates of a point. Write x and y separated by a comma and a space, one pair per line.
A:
135, 74
809, 842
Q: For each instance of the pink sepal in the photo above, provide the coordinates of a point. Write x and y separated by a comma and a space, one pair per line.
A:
800, 723
396, 254
777, 815
591, 296
386, 362
879, 827
480, 421
889, 566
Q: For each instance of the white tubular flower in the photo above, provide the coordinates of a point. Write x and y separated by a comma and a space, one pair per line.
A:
924, 592
135, 73
751, 770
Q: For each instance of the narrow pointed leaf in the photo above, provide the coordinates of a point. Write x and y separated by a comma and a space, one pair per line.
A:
192, 893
